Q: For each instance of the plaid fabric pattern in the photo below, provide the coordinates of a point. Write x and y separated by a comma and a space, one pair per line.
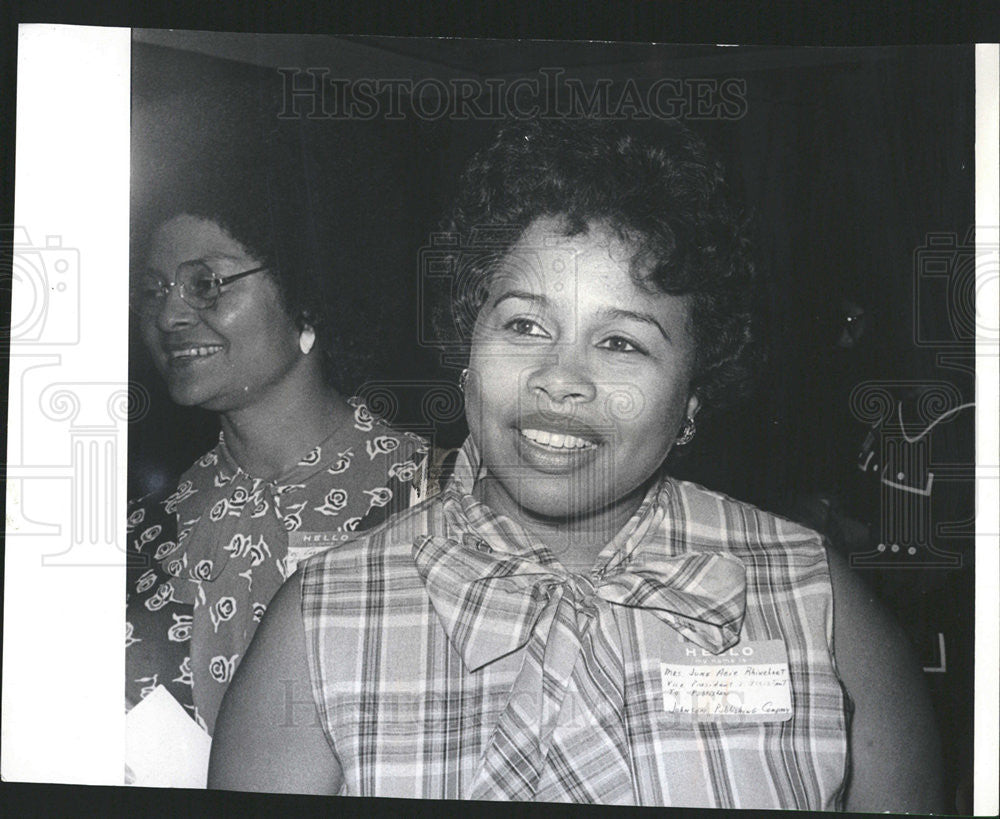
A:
452, 657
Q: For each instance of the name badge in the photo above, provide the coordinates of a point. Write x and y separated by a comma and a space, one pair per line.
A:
746, 683
302, 545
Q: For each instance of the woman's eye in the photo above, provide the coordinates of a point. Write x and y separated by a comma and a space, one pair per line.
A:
525, 327
203, 286
617, 344
148, 287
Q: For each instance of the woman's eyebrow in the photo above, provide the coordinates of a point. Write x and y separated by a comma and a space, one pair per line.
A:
524, 295
215, 257
646, 318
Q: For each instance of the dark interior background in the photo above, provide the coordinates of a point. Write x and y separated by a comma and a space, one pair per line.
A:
849, 160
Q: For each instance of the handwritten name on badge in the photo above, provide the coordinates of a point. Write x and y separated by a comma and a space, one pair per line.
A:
746, 683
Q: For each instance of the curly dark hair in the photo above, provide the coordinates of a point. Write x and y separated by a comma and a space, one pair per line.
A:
654, 184
292, 198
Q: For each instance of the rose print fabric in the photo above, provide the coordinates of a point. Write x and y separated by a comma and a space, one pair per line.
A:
206, 560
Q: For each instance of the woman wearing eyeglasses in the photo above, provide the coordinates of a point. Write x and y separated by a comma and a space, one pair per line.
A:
241, 317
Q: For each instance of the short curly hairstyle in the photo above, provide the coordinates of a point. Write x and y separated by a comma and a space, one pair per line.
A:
292, 198
654, 184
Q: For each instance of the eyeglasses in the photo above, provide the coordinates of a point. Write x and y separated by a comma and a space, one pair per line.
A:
197, 284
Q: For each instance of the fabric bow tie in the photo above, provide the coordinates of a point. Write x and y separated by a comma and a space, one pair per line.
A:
489, 602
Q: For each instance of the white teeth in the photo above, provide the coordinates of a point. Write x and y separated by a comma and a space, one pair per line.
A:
194, 352
572, 442
556, 440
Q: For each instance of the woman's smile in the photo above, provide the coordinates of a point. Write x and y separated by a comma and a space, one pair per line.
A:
223, 356
553, 452
188, 354
555, 441
566, 336
185, 354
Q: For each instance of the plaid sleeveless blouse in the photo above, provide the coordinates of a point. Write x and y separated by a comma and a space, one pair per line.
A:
454, 658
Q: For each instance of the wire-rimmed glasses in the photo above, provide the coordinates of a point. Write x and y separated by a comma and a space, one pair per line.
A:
196, 282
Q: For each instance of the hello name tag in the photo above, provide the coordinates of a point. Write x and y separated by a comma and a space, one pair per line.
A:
746, 683
302, 545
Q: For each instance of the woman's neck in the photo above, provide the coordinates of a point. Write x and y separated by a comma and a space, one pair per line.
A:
270, 436
576, 541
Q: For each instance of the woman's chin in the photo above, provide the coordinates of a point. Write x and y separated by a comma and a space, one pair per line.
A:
551, 507
188, 395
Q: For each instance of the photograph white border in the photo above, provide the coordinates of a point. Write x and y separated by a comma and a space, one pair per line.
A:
986, 753
64, 591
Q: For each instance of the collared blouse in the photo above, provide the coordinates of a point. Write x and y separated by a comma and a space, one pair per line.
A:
207, 560
452, 656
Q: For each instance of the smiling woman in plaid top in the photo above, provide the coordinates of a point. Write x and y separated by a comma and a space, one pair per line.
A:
565, 622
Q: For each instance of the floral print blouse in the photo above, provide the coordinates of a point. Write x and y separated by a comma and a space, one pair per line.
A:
205, 561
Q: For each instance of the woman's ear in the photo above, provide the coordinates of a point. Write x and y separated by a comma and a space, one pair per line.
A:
693, 405
305, 319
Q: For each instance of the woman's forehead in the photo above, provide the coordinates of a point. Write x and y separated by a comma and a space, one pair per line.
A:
185, 238
559, 232
596, 265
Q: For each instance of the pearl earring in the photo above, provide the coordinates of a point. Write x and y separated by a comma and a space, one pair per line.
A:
307, 338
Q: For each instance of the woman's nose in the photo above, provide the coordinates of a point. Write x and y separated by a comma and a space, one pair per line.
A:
565, 379
173, 312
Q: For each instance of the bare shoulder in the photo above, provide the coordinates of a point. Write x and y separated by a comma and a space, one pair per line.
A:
895, 754
268, 735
